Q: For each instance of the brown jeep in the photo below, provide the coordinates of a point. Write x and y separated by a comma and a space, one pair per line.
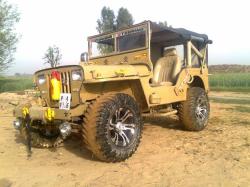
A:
142, 70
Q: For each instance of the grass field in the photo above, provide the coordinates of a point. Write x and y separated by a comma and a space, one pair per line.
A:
230, 82
239, 82
15, 83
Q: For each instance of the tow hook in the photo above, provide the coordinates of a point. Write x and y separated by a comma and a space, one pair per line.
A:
27, 124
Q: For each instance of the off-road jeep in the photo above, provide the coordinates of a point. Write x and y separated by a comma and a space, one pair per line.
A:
142, 70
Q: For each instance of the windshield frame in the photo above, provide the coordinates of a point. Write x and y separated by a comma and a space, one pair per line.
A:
116, 34
100, 37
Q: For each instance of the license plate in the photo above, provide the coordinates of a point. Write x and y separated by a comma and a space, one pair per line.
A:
64, 102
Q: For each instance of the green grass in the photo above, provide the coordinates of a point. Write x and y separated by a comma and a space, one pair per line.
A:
243, 109
230, 101
239, 82
13, 83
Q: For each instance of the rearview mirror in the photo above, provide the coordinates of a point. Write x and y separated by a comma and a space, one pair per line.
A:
84, 57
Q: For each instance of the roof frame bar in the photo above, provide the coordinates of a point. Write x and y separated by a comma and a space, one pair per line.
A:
191, 47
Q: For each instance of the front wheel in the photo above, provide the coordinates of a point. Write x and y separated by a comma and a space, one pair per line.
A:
194, 112
112, 127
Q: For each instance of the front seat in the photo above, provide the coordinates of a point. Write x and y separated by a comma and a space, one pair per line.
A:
167, 69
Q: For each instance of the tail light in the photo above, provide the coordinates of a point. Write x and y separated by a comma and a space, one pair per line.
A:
55, 84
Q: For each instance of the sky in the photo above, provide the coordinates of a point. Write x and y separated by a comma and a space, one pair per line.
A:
67, 24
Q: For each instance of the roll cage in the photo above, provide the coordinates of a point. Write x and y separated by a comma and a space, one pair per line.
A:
157, 37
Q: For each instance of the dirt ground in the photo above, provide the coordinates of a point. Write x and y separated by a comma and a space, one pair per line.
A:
167, 155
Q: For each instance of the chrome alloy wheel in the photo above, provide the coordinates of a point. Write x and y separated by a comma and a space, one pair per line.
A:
201, 109
122, 128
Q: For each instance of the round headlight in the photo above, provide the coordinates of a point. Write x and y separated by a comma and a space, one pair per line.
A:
76, 75
41, 79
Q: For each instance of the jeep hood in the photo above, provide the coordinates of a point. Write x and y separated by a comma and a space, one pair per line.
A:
99, 72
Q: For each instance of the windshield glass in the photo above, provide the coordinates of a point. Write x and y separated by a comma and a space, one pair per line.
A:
120, 41
102, 46
131, 39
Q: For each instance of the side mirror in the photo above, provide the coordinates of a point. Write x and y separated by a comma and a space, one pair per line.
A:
84, 57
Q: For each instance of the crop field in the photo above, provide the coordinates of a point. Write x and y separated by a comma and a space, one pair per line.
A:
15, 83
230, 82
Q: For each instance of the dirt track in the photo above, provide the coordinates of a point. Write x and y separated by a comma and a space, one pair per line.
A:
167, 155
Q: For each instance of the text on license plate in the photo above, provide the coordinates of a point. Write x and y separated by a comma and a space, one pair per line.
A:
64, 102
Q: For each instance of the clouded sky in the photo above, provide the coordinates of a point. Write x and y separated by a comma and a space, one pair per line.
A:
68, 23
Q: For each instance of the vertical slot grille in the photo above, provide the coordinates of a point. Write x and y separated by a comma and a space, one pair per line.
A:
65, 79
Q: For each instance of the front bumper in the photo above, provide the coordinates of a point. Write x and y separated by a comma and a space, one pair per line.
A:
48, 114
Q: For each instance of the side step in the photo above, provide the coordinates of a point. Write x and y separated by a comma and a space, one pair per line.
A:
160, 114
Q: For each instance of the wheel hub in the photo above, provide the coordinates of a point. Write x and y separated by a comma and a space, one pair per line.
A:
201, 110
121, 127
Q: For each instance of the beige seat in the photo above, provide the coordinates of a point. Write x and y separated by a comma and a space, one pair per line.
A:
167, 69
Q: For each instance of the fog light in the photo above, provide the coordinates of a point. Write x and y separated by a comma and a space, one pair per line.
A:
65, 129
17, 124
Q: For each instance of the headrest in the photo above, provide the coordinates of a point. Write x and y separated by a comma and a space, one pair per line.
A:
170, 52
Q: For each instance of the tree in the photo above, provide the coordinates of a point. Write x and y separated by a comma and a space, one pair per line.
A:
9, 16
106, 22
52, 56
124, 18
164, 23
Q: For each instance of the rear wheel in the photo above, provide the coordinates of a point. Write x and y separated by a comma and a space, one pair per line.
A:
194, 112
112, 127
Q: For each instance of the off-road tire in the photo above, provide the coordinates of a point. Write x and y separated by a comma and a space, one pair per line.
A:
187, 110
38, 141
96, 132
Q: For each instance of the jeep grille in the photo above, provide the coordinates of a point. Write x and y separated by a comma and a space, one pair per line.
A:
67, 84
65, 80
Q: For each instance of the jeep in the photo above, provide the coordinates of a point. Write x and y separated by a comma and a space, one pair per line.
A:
143, 70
